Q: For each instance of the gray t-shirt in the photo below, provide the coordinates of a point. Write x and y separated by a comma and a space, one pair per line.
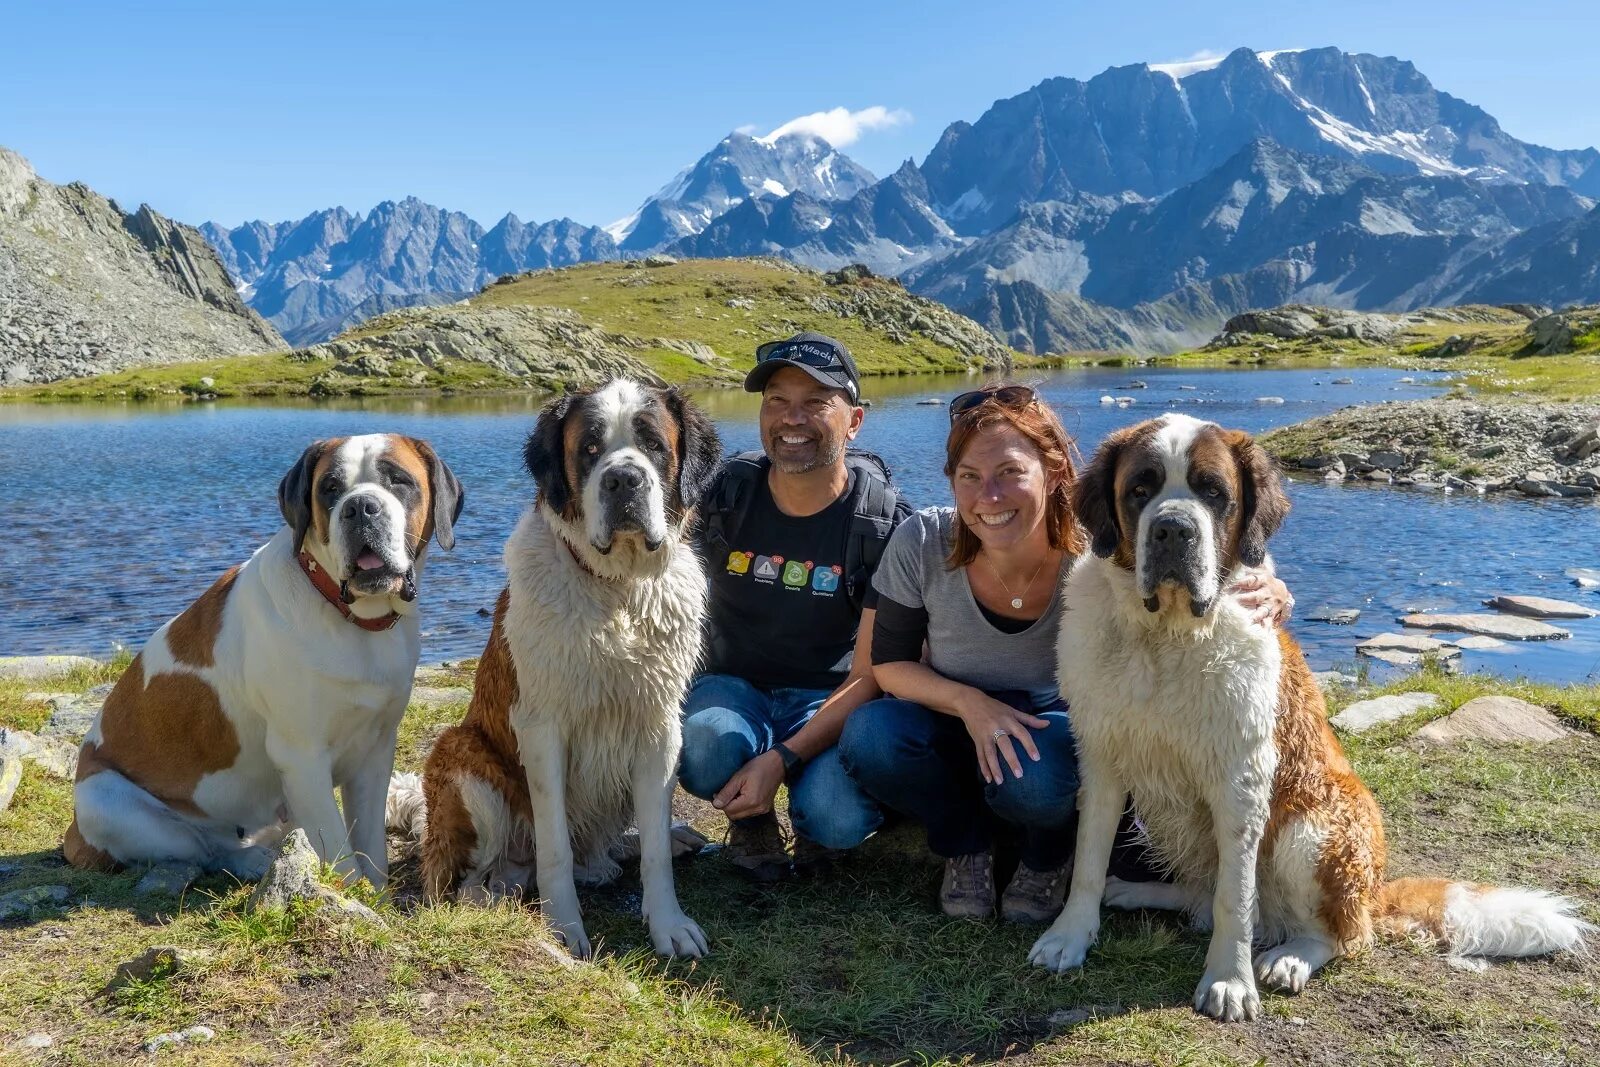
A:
962, 644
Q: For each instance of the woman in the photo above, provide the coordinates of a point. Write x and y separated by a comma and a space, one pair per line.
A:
976, 731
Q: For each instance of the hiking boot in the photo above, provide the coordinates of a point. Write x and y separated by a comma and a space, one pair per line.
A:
811, 858
1035, 896
968, 889
757, 847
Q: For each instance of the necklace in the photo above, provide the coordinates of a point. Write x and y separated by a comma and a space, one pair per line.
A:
1016, 601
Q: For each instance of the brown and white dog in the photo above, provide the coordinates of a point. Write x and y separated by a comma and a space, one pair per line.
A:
573, 731
283, 681
1217, 728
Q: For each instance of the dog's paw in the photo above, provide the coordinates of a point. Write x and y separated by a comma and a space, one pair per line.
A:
570, 932
1128, 896
678, 935
1283, 969
247, 864
1061, 948
686, 840
1229, 999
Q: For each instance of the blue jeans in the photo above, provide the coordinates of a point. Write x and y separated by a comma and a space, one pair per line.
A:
727, 722
922, 763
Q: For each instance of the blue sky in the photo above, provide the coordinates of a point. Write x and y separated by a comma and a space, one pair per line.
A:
230, 111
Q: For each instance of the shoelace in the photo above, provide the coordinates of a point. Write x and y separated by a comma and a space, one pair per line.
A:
972, 875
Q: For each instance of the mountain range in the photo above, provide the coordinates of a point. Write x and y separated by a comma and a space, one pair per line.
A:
1138, 210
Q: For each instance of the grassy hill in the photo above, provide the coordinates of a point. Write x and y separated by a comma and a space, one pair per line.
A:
689, 322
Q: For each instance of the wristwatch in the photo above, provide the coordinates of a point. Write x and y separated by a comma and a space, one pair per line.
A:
791, 761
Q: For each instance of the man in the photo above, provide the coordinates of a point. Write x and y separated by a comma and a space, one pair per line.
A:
791, 537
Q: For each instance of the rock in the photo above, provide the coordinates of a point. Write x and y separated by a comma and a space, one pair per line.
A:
1582, 575
1136, 384
10, 770
193, 1035
34, 1042
1549, 334
660, 260
21, 901
1386, 460
1363, 715
1379, 476
1269, 400
36, 668
74, 715
1320, 462
1336, 616
1536, 488
1403, 643
158, 961
930, 401
1508, 627
53, 756
1497, 718
297, 875
1108, 400
1332, 681
1478, 643
207, 382
1538, 607
168, 878
1343, 381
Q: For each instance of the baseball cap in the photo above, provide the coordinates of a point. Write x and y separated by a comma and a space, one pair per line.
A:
819, 355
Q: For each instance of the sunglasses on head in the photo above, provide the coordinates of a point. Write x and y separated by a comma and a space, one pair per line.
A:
1008, 396
812, 355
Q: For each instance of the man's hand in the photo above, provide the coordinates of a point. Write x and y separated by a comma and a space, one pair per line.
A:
1264, 597
752, 788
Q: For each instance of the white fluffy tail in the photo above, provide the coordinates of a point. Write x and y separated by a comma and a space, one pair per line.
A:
405, 811
1485, 920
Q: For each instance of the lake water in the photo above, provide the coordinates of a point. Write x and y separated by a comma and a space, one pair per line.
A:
118, 516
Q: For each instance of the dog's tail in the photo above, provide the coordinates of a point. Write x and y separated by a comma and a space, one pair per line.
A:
405, 811
1483, 920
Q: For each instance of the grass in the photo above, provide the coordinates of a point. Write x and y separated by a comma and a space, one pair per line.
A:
692, 301
855, 966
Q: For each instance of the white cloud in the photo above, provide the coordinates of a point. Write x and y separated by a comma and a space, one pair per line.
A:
841, 127
1204, 59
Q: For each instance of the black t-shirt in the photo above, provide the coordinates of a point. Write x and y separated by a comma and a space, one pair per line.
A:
778, 615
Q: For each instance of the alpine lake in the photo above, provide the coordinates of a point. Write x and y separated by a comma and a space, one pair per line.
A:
119, 515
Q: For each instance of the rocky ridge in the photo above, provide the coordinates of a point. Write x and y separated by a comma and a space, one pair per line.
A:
1452, 443
86, 288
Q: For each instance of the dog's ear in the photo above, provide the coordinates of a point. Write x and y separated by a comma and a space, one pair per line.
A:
1094, 498
545, 454
294, 492
448, 495
699, 449
1264, 505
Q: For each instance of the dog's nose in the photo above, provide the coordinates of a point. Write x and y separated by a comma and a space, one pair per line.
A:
361, 506
619, 478
1174, 530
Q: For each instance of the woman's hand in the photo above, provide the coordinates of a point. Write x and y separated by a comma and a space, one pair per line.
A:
752, 788
996, 729
1264, 598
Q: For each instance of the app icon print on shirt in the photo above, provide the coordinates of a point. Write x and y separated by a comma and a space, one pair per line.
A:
795, 573
739, 562
825, 579
766, 567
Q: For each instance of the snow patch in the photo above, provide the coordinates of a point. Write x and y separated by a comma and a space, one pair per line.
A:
1267, 57
774, 187
968, 203
1181, 68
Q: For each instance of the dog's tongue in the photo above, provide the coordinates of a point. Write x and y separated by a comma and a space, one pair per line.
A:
369, 561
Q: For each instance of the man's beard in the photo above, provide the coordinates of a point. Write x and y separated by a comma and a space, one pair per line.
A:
828, 451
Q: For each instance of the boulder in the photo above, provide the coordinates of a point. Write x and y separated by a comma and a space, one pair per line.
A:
168, 879
10, 772
1336, 616
1479, 643
21, 901
1497, 718
1286, 322
1365, 714
1387, 460
1549, 334
1330, 681
34, 668
1538, 607
1506, 627
73, 715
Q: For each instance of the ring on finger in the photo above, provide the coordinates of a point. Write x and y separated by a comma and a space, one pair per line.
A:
998, 734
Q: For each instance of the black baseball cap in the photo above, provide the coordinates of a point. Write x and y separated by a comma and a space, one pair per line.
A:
819, 355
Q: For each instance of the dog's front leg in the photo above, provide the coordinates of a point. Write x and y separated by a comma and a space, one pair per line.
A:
1101, 798
544, 756
1227, 990
308, 786
365, 794
671, 931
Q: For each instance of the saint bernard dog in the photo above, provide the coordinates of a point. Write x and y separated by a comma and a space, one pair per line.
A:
284, 681
1218, 730
573, 730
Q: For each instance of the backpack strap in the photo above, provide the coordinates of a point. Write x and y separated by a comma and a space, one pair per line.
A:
876, 508
729, 499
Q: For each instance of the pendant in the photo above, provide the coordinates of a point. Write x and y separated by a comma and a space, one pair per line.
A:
1016, 602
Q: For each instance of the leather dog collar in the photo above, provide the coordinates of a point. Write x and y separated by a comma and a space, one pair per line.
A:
324, 583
